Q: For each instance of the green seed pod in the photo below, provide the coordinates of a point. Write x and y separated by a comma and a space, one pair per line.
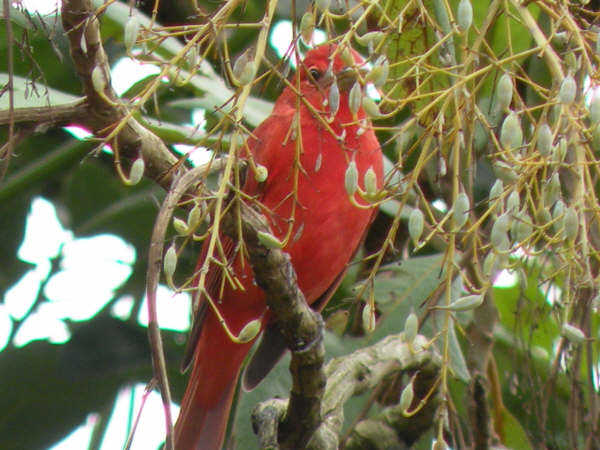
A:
596, 138
466, 303
521, 228
551, 189
130, 33
572, 333
370, 107
368, 317
439, 445
351, 178
513, 202
498, 235
250, 331
464, 15
194, 216
505, 172
544, 140
557, 215
489, 264
595, 109
461, 210
571, 62
598, 43
543, 216
568, 90
511, 133
370, 38
560, 40
98, 80
411, 327
307, 27
170, 262
323, 5
380, 72
268, 240
244, 69
504, 92
180, 226
496, 190
370, 180
191, 56
346, 56
416, 222
334, 98
355, 98
407, 396
137, 171
571, 223
261, 174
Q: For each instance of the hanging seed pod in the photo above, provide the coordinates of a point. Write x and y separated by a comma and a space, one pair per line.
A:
596, 138
595, 108
511, 133
307, 27
496, 190
498, 235
194, 216
543, 216
504, 92
371, 38
351, 178
323, 5
411, 327
572, 333
464, 15
466, 303
460, 212
513, 202
268, 240
181, 227
557, 215
244, 69
130, 33
370, 180
568, 90
334, 98
505, 172
370, 107
380, 72
521, 228
439, 445
261, 174
98, 80
346, 56
571, 223
191, 56
551, 189
489, 264
170, 262
137, 171
416, 222
407, 396
250, 331
368, 317
544, 139
355, 99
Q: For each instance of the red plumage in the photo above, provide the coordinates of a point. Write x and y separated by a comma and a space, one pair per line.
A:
327, 230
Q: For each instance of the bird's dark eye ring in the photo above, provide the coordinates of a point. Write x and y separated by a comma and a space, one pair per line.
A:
315, 73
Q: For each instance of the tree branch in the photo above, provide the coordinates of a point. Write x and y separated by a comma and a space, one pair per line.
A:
352, 375
104, 109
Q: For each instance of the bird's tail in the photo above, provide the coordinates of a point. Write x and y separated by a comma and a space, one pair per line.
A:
206, 404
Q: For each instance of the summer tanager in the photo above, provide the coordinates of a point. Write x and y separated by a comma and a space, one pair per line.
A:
304, 189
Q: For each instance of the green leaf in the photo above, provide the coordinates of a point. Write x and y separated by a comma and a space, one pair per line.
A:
26, 97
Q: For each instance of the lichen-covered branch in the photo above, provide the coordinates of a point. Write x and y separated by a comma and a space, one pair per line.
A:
352, 375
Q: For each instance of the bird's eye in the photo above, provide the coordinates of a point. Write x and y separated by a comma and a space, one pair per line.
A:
315, 73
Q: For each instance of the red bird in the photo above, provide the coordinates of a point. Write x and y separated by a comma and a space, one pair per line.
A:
305, 189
